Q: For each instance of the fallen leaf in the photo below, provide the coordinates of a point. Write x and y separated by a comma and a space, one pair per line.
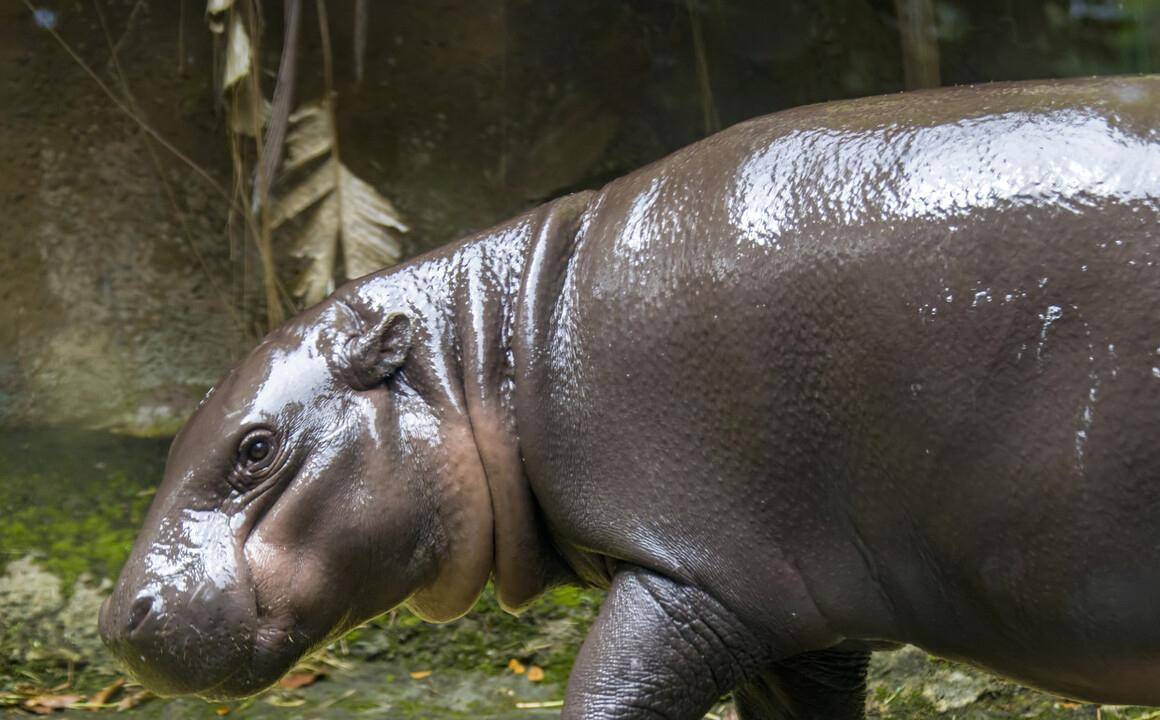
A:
335, 700
420, 674
535, 673
48, 704
540, 705
102, 696
221, 710
133, 699
293, 681
285, 703
517, 667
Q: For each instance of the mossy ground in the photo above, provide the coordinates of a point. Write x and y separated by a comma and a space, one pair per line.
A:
71, 502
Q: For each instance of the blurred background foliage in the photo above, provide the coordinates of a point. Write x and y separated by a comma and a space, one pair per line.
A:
141, 251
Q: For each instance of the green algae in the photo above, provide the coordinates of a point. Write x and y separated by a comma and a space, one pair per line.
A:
74, 499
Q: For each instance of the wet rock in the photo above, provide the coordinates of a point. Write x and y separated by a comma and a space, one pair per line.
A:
26, 593
951, 689
942, 686
40, 622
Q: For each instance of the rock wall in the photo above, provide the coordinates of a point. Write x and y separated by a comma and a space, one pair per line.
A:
125, 289
115, 267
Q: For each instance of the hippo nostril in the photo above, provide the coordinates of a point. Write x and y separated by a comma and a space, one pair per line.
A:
140, 610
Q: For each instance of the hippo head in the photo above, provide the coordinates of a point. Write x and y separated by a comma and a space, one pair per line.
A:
328, 478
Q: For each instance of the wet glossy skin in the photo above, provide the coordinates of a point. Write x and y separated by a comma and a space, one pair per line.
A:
884, 370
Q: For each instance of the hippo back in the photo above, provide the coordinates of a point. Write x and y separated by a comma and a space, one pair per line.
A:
897, 357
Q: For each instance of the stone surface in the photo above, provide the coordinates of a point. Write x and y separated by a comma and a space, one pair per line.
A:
121, 300
39, 622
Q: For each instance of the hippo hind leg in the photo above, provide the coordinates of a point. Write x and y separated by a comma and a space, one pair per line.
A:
822, 685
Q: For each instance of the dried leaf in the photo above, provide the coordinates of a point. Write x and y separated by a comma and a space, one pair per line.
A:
535, 673
316, 243
369, 223
309, 139
133, 699
239, 53
102, 696
540, 705
349, 211
285, 702
48, 704
516, 666
221, 710
297, 680
317, 185
420, 674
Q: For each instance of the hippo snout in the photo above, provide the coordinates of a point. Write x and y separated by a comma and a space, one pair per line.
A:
199, 646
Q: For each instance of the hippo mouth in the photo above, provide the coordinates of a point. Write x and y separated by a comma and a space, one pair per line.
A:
236, 654
277, 639
273, 652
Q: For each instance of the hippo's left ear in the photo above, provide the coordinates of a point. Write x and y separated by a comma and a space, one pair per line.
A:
370, 350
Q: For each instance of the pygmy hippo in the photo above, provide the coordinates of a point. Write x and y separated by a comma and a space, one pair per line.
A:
847, 376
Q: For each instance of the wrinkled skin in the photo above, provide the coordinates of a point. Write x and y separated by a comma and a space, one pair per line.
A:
857, 374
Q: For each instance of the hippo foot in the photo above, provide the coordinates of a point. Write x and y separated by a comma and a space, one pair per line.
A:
661, 649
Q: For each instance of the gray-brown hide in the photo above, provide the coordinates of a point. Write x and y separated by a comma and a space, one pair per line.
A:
875, 371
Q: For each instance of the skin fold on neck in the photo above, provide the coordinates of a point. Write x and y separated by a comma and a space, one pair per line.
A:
491, 269
469, 298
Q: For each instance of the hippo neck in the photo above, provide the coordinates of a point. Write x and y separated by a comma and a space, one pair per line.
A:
494, 272
485, 301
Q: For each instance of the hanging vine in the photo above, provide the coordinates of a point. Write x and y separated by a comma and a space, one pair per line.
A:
289, 167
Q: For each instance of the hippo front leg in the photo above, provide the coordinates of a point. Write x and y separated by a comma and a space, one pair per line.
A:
659, 649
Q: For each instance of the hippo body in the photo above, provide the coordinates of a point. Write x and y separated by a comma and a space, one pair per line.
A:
851, 375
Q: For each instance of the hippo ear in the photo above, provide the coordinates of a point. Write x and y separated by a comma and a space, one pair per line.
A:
373, 349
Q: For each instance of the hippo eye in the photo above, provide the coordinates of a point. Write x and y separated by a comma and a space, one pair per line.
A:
256, 451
